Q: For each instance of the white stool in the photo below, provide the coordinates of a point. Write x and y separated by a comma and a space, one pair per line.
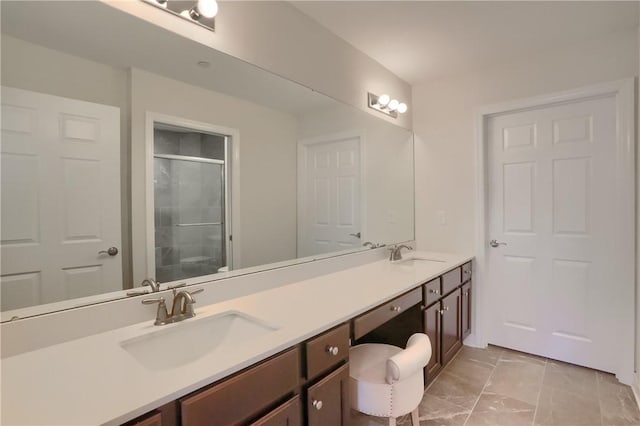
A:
388, 381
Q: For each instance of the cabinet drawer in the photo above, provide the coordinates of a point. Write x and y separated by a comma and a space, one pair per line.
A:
328, 400
451, 280
327, 350
288, 414
153, 419
244, 395
466, 272
432, 291
373, 319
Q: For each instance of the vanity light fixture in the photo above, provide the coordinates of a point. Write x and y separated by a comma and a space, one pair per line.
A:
201, 13
386, 105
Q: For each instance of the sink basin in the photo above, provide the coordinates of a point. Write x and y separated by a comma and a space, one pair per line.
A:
188, 341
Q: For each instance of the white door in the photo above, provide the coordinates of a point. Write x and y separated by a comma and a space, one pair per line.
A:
329, 196
552, 191
60, 186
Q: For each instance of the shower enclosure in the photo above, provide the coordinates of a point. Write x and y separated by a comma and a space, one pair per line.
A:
190, 199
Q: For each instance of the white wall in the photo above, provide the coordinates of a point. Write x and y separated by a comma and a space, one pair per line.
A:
32, 67
443, 123
637, 384
267, 164
275, 36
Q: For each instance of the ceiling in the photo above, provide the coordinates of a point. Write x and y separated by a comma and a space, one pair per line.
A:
54, 24
424, 40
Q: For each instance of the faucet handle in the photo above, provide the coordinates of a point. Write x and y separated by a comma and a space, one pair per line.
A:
161, 313
159, 300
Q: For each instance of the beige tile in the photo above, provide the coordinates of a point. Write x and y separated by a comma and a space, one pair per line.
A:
519, 380
455, 389
558, 407
617, 403
488, 356
436, 411
472, 371
509, 355
571, 378
500, 410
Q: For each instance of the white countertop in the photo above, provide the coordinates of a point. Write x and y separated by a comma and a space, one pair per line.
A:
93, 380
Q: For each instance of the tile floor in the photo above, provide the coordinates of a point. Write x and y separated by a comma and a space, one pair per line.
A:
500, 387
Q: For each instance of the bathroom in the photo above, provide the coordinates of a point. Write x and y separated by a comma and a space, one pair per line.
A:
270, 112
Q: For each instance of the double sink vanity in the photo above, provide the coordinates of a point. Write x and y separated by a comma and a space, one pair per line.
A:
275, 357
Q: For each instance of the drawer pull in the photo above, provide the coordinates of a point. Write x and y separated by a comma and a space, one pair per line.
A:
332, 350
396, 308
317, 404
466, 293
434, 291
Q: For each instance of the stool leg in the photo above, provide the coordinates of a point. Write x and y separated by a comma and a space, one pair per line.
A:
392, 421
415, 418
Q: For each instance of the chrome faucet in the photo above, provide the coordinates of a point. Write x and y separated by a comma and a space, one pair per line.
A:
149, 282
181, 308
396, 252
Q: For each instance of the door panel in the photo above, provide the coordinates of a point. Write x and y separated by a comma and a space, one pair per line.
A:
551, 174
60, 198
451, 337
432, 328
329, 205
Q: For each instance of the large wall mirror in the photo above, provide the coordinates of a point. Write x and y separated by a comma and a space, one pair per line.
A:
129, 152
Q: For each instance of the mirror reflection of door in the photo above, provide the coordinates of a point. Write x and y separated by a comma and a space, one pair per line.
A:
329, 195
190, 200
60, 199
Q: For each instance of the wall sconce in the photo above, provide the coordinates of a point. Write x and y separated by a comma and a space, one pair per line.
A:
201, 12
386, 105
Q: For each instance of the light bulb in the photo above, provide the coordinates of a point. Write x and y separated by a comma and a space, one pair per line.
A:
402, 108
393, 105
383, 100
207, 8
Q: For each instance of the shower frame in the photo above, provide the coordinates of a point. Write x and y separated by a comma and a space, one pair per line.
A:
231, 188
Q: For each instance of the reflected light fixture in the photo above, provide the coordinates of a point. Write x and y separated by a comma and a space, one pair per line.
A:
203, 8
201, 13
386, 105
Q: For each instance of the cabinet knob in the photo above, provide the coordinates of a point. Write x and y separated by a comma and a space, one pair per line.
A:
446, 308
317, 404
434, 291
332, 350
466, 293
396, 308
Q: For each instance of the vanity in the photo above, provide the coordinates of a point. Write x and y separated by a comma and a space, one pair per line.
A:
296, 370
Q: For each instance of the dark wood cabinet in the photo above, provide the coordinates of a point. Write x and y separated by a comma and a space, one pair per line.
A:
309, 383
451, 337
243, 396
328, 400
288, 414
432, 328
447, 320
465, 292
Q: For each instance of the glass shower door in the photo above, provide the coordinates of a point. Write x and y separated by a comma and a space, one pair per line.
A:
189, 216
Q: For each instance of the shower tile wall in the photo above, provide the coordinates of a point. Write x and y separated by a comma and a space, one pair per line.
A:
187, 193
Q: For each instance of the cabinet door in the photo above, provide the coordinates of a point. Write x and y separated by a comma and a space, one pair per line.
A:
432, 327
288, 414
451, 330
328, 400
466, 309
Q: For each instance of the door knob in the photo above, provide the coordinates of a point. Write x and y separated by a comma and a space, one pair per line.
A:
495, 243
111, 251
357, 235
